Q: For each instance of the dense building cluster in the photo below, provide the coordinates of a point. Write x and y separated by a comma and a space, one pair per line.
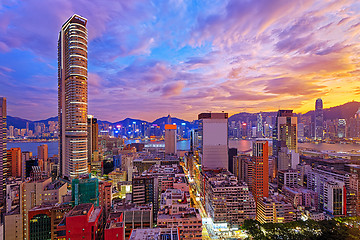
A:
102, 186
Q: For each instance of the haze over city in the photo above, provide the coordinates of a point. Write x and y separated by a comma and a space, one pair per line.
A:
151, 58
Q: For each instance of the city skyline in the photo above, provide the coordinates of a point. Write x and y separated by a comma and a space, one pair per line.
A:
233, 56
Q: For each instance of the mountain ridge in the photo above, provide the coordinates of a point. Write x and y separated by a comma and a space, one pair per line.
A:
346, 111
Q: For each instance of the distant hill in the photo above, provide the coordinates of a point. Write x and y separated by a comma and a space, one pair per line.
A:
346, 111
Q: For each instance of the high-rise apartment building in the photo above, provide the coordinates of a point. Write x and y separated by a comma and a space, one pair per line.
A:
72, 97
170, 139
14, 158
43, 157
213, 133
260, 170
3, 158
284, 138
319, 119
93, 131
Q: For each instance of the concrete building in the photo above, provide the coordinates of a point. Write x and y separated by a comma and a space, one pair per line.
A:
44, 219
84, 221
4, 165
226, 200
341, 128
93, 131
260, 170
134, 215
337, 190
288, 178
43, 157
274, 210
319, 119
155, 234
35, 193
170, 139
73, 97
115, 229
13, 225
335, 198
14, 158
175, 211
285, 137
213, 131
105, 196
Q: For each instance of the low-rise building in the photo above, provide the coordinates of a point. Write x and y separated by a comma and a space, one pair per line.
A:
227, 200
84, 221
273, 209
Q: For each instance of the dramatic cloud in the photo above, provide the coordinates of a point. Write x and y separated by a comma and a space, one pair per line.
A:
151, 58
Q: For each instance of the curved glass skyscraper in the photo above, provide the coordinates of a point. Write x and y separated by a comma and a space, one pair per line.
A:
73, 97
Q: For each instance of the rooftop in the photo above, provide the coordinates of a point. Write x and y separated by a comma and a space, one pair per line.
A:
153, 233
81, 209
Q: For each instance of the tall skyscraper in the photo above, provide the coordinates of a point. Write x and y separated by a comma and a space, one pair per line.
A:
260, 170
3, 158
213, 133
341, 128
72, 97
319, 119
93, 131
285, 138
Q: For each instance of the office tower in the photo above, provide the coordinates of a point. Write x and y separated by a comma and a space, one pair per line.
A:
284, 138
85, 190
93, 130
319, 119
43, 157
260, 170
14, 158
3, 158
260, 127
170, 139
341, 128
72, 97
213, 131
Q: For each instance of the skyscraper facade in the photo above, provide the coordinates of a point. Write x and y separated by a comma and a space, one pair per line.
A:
260, 170
319, 119
93, 131
72, 97
213, 134
284, 138
170, 139
3, 154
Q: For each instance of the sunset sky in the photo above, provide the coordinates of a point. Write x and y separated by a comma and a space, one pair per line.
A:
151, 58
